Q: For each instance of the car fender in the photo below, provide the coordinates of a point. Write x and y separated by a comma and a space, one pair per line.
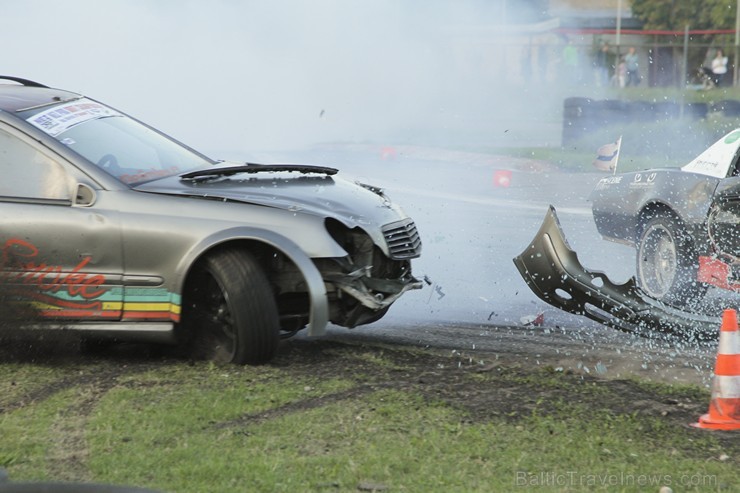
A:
319, 316
618, 202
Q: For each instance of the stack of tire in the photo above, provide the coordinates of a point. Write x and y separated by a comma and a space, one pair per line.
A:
582, 116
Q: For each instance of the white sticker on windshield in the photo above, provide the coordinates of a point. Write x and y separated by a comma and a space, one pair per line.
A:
60, 118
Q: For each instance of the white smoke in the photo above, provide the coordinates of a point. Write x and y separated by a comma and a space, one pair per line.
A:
244, 75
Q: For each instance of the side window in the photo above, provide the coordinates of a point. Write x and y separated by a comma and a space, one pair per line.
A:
28, 173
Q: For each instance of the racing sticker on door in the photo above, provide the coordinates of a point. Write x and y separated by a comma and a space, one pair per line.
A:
72, 294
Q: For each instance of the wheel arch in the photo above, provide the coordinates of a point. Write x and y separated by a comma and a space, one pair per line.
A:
650, 210
683, 284
253, 239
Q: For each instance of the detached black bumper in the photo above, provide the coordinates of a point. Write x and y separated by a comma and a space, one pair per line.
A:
552, 271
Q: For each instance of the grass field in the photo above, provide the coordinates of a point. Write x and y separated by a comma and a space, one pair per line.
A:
342, 417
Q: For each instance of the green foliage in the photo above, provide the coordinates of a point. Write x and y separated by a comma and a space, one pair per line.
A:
7, 459
676, 15
719, 14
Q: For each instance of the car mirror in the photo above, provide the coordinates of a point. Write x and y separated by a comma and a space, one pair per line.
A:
85, 196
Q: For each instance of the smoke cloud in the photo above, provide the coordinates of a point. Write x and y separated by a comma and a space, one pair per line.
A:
245, 75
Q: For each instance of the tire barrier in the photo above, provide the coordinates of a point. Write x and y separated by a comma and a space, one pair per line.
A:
582, 116
727, 107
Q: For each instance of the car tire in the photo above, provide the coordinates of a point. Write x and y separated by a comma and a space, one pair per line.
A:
667, 265
230, 311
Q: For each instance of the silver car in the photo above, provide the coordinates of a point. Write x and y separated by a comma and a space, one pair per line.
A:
112, 228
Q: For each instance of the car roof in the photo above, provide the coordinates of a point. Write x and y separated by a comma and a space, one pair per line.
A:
21, 94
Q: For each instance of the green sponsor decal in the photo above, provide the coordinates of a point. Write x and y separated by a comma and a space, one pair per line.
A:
733, 137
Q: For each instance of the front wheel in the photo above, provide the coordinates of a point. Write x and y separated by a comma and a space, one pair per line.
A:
666, 262
230, 312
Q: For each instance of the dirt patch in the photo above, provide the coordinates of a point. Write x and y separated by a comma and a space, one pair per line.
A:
488, 389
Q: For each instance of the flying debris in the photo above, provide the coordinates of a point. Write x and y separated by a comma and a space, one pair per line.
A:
683, 224
533, 320
552, 271
438, 290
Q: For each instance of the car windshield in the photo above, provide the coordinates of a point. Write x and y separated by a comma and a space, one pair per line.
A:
123, 147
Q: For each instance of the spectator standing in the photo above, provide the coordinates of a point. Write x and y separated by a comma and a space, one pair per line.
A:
620, 74
603, 63
631, 61
719, 68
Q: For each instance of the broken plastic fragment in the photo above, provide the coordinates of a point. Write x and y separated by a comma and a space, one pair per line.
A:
533, 320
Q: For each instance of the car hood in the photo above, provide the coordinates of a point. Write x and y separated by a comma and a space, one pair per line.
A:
319, 194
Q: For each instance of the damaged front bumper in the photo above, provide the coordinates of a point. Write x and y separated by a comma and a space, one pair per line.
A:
552, 271
375, 294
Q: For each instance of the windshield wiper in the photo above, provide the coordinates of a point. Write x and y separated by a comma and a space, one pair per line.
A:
258, 168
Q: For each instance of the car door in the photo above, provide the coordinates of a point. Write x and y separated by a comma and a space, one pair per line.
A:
63, 256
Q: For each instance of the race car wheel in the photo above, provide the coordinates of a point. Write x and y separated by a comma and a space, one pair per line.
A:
230, 310
666, 263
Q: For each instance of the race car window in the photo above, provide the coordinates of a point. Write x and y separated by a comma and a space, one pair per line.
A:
121, 146
735, 171
28, 173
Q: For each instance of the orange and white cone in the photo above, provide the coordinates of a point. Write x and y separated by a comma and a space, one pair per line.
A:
724, 406
502, 178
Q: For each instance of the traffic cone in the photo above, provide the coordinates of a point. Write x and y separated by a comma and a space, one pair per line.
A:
724, 406
502, 178
387, 153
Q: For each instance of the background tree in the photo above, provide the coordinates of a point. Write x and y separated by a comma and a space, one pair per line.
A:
675, 15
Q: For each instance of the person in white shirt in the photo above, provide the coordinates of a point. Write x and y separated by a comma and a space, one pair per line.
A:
719, 67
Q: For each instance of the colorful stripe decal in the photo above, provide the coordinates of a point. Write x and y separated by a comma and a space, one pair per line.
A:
80, 314
138, 304
151, 304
